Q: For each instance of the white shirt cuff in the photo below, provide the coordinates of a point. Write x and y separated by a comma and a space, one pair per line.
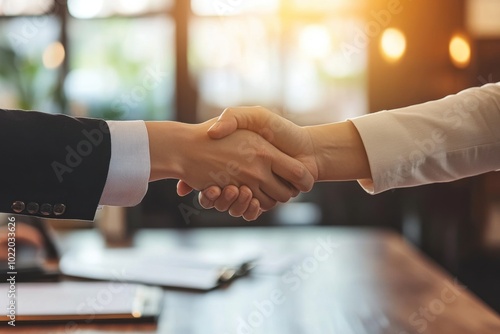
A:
129, 167
437, 141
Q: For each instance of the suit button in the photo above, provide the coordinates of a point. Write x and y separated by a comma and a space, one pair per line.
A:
18, 206
59, 209
32, 208
46, 209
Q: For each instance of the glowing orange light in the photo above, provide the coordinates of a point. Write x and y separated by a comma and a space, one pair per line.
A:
393, 44
460, 52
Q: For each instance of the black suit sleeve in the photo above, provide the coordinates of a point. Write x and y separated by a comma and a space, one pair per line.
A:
52, 166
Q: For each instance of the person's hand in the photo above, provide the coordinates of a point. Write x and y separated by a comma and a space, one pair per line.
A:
288, 137
244, 158
294, 140
238, 202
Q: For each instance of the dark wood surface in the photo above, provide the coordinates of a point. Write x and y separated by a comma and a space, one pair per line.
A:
365, 281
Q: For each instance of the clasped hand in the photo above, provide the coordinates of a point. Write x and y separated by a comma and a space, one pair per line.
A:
255, 159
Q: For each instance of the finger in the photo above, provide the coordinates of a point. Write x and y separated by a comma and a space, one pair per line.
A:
293, 191
280, 184
253, 211
183, 188
238, 208
275, 188
292, 171
266, 201
229, 195
251, 118
207, 197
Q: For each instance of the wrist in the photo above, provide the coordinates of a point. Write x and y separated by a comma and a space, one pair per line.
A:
339, 152
165, 139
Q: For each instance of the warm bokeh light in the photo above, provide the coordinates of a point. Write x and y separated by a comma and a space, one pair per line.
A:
53, 56
393, 44
460, 51
315, 42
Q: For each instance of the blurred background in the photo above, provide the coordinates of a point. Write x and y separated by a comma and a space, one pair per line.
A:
313, 61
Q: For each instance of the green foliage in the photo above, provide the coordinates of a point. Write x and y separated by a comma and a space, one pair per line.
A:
23, 74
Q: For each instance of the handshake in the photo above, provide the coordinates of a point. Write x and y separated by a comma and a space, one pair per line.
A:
249, 158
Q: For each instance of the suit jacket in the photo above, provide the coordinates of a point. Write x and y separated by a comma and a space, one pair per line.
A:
52, 166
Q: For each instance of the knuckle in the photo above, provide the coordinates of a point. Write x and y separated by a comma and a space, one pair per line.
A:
263, 153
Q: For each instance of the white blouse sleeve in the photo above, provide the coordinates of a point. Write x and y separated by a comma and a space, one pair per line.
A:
438, 141
129, 167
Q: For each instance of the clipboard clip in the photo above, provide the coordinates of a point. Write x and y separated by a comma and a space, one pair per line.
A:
228, 274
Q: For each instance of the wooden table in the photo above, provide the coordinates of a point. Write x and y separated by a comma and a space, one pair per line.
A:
348, 281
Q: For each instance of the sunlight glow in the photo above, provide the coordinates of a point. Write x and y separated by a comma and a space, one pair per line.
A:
460, 52
393, 44
315, 42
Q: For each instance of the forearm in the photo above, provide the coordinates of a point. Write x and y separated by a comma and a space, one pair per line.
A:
339, 151
164, 140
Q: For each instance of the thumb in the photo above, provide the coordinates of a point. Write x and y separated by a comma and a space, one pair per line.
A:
250, 118
226, 124
183, 188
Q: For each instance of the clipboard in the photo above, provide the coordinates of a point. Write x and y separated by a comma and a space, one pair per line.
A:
81, 302
180, 269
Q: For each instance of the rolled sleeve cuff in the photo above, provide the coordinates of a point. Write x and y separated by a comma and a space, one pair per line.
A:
129, 167
379, 157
